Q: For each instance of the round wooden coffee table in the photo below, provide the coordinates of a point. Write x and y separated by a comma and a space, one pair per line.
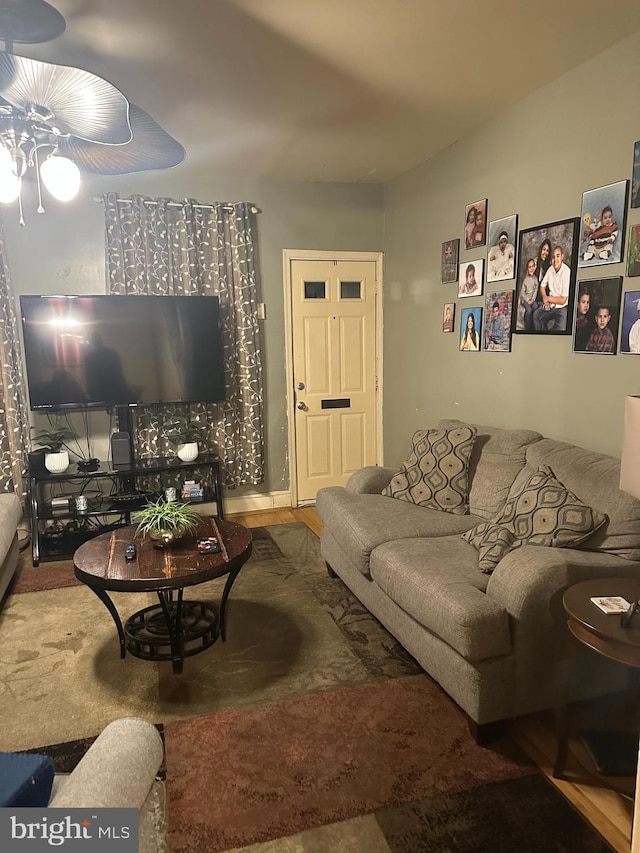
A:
173, 629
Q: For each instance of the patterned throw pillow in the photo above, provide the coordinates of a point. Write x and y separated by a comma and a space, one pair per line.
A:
541, 512
435, 473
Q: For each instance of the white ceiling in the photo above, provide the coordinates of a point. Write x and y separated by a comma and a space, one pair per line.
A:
330, 90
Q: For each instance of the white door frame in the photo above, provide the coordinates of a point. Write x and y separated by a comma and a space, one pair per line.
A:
289, 255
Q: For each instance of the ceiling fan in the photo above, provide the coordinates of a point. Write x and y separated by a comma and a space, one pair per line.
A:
56, 119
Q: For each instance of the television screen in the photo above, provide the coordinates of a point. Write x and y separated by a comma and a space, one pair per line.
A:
101, 351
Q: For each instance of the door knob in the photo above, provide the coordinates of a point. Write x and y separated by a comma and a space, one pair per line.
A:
301, 406
300, 386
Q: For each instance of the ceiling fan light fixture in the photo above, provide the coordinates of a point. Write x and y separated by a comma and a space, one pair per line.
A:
61, 177
58, 119
9, 181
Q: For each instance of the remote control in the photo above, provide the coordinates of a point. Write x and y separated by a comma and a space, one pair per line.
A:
130, 552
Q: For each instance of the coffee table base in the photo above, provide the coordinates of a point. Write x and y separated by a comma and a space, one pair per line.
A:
172, 630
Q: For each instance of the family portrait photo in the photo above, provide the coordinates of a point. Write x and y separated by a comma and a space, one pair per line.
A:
630, 332
501, 258
449, 261
602, 225
448, 316
546, 278
635, 179
470, 278
597, 315
470, 329
475, 224
497, 322
633, 259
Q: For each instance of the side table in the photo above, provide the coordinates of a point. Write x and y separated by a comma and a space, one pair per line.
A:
603, 633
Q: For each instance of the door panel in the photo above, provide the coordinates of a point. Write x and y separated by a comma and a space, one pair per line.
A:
333, 309
353, 442
352, 354
318, 429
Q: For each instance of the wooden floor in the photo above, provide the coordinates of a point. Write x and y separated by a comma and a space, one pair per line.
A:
610, 813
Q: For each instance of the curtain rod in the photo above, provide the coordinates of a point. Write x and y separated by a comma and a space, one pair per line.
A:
227, 208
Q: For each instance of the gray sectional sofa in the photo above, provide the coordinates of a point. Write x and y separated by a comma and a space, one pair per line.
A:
10, 516
119, 771
490, 640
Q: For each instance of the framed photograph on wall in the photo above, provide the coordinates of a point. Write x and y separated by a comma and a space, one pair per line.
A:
501, 258
497, 320
546, 278
630, 332
602, 225
470, 329
633, 259
449, 261
448, 316
597, 315
470, 278
475, 224
635, 178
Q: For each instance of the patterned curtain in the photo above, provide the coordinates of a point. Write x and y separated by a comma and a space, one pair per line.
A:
162, 247
14, 418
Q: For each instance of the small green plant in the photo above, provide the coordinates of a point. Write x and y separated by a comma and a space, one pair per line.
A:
53, 439
184, 430
166, 515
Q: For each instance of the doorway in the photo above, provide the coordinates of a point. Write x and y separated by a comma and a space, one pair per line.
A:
333, 327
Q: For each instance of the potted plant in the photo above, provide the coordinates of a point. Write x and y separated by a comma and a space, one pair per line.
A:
52, 442
185, 432
166, 522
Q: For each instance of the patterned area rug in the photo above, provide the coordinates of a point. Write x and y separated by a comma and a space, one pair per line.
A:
310, 729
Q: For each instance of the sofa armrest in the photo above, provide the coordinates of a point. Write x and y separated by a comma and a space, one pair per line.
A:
370, 480
529, 581
118, 769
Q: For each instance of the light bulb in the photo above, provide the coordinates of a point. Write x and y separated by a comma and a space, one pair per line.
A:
61, 177
9, 182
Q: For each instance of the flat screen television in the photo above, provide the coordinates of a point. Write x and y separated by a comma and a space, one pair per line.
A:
103, 351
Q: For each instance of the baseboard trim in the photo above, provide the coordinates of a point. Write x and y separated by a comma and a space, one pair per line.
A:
253, 503
248, 503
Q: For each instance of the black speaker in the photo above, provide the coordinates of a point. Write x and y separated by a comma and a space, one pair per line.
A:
121, 448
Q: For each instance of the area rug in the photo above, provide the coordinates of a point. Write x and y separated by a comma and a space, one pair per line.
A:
310, 729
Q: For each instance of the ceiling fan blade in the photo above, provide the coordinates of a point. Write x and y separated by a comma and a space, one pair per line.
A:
82, 103
150, 148
29, 21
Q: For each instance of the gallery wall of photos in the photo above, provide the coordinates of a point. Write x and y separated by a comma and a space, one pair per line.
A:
529, 279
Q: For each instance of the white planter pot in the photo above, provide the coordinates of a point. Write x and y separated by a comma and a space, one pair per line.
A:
188, 452
56, 463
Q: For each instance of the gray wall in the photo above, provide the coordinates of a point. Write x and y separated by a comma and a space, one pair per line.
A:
63, 252
535, 159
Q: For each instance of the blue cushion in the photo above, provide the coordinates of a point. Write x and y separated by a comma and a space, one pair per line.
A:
26, 779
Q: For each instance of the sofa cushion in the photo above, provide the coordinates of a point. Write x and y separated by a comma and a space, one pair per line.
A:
437, 582
594, 478
435, 472
362, 522
10, 515
497, 457
539, 511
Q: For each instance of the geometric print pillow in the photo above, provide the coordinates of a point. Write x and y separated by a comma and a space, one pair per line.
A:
435, 472
540, 512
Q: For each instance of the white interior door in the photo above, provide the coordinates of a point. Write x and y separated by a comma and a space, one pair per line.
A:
333, 314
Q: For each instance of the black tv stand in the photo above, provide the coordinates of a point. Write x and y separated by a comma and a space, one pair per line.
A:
124, 420
56, 532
